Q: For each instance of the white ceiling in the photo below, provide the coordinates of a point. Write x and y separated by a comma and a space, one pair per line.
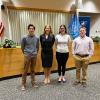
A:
87, 5
42, 4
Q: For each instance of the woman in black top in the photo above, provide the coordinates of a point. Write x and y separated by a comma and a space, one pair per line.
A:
47, 40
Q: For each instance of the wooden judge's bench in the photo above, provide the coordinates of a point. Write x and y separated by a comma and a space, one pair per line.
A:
11, 61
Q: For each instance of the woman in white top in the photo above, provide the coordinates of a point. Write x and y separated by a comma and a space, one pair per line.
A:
62, 41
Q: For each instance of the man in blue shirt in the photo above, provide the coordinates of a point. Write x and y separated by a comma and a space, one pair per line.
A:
29, 47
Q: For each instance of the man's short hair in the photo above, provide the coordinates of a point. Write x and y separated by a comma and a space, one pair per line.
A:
83, 27
30, 26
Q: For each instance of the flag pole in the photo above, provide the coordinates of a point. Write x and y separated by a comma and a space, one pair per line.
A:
77, 13
78, 7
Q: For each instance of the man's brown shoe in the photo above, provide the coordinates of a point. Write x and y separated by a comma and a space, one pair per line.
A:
76, 83
84, 84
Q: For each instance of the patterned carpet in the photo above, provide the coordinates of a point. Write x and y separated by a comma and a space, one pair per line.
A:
10, 89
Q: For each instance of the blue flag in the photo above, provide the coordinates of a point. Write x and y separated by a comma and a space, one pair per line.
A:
74, 27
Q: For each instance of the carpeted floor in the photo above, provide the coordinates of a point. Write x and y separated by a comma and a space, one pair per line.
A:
10, 89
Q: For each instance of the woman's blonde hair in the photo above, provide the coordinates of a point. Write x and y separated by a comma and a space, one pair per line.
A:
50, 29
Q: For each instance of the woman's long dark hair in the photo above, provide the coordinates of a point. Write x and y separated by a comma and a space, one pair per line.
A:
64, 27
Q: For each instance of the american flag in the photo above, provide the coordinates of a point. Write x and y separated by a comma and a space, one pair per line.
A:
1, 29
